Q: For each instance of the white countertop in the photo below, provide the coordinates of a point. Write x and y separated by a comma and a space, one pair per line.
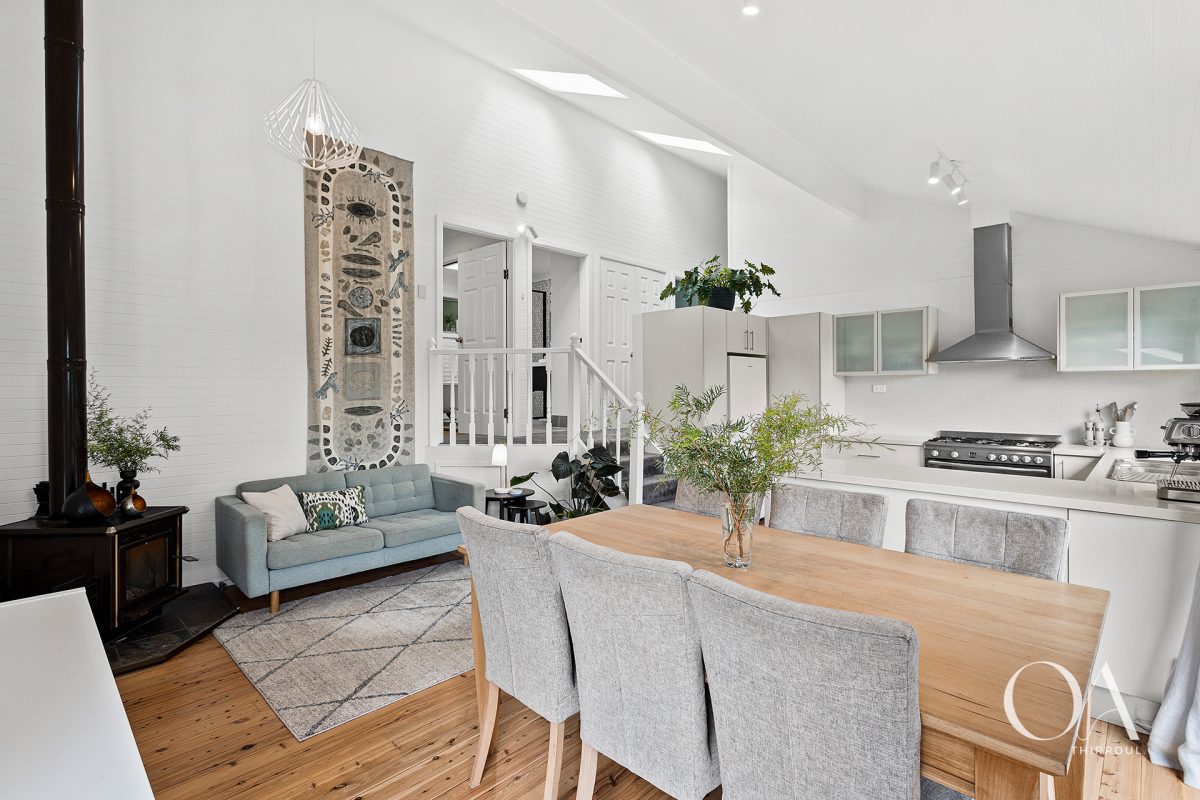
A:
69, 736
1096, 494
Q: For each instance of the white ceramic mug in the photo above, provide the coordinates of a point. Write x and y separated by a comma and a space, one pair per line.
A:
1122, 434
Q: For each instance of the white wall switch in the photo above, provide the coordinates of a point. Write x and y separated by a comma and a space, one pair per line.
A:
879, 388
421, 290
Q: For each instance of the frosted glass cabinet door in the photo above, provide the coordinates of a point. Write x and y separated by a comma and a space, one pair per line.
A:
902, 341
854, 344
1096, 331
1168, 327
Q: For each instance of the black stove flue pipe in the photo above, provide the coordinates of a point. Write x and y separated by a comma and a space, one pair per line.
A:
66, 363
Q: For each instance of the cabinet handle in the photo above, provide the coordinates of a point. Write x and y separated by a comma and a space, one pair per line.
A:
751, 340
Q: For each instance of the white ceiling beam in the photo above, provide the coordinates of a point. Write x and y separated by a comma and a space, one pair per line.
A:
617, 49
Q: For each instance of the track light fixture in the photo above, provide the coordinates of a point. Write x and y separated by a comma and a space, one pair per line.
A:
948, 172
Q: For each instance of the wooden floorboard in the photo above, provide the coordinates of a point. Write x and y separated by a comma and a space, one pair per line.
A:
204, 732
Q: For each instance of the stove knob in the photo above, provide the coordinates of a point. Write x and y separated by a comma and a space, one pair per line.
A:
1003, 457
1027, 459
1038, 459
991, 456
954, 454
935, 453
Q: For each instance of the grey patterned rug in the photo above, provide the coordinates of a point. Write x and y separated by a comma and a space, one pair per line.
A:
327, 659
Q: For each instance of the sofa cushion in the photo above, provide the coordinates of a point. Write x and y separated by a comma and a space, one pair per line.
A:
320, 482
394, 490
284, 515
328, 510
308, 548
415, 526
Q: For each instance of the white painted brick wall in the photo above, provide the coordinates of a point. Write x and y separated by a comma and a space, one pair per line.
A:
194, 247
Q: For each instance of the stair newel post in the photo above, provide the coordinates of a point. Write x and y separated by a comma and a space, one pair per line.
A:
591, 389
529, 399
619, 409
604, 395
574, 426
637, 450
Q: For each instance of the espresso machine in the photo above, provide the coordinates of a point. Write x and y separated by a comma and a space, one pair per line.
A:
1182, 435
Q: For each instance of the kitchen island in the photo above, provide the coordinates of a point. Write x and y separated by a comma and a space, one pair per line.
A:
1143, 550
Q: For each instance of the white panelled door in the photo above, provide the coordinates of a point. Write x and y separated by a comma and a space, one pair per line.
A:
482, 323
625, 290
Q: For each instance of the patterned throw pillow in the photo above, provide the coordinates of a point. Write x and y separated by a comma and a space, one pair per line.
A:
327, 510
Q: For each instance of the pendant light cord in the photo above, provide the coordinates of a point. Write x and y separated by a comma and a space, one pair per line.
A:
314, 39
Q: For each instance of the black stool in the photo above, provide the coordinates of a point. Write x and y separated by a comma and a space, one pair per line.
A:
524, 509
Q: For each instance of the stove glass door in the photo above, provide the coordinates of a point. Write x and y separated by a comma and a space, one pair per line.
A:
1042, 471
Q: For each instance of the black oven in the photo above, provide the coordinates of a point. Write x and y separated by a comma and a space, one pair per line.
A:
1044, 470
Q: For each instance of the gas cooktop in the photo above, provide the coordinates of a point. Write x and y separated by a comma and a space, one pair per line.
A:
1012, 453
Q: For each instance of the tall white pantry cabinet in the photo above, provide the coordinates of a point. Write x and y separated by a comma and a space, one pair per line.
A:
701, 347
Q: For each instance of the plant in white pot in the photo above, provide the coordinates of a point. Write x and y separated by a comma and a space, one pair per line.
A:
744, 459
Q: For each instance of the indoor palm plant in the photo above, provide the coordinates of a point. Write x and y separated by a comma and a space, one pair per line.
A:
719, 286
743, 459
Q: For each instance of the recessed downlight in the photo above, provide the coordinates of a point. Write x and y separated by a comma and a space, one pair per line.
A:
750, 8
682, 141
569, 82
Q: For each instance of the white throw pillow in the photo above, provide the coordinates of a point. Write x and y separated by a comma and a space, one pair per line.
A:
285, 517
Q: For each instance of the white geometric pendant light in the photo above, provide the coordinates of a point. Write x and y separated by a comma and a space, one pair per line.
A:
308, 127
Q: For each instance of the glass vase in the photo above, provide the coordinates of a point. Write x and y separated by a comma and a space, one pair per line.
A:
738, 517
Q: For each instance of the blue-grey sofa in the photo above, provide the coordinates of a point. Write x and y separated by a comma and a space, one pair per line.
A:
411, 516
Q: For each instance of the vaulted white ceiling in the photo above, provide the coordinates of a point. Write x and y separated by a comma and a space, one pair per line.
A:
1080, 110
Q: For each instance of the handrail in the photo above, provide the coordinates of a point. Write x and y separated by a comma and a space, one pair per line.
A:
500, 351
604, 379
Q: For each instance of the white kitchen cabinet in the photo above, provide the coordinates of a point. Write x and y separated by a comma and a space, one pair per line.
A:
1167, 325
1095, 331
801, 360
893, 342
854, 337
746, 334
1148, 566
682, 346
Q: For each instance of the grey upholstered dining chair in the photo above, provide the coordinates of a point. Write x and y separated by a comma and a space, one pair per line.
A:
810, 702
834, 514
691, 499
642, 699
525, 635
1029, 544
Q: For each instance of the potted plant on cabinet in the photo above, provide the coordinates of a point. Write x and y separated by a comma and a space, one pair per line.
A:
713, 284
125, 444
743, 459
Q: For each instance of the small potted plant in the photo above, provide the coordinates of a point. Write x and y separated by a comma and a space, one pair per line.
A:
719, 286
744, 459
125, 444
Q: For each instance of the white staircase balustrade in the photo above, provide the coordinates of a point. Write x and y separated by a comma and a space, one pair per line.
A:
487, 397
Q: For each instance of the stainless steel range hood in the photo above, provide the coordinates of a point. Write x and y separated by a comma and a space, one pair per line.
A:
993, 339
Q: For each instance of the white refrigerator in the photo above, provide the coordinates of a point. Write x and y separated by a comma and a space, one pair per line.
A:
747, 385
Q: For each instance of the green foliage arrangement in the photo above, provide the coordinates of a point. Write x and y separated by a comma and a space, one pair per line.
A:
746, 457
697, 284
592, 482
122, 443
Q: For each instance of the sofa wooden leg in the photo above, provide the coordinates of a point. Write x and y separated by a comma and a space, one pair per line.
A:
275, 602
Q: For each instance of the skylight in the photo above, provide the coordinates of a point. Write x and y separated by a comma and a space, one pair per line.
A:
682, 141
570, 82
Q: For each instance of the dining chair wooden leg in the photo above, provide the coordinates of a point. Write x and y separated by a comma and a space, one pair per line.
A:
275, 602
558, 734
481, 681
486, 731
587, 772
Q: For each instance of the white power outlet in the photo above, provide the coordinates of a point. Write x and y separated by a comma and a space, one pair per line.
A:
879, 388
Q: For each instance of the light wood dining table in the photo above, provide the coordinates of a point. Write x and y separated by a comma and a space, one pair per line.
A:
976, 628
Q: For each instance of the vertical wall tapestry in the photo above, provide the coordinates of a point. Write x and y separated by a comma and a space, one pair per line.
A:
358, 247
